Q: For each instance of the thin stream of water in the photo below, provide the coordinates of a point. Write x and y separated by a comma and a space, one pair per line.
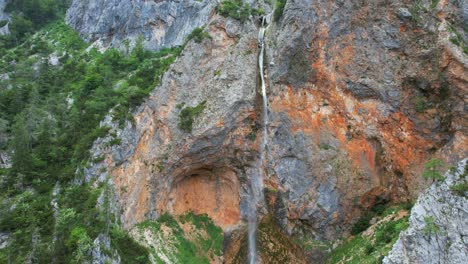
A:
257, 180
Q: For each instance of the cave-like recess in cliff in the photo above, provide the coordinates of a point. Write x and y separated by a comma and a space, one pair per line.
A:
214, 192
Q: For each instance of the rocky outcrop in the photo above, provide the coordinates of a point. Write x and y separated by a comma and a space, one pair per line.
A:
438, 227
5, 160
159, 23
101, 249
3, 17
4, 240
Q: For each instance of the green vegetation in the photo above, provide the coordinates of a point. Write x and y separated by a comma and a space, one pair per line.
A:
431, 227
51, 137
434, 3
56, 94
237, 10
380, 208
279, 8
457, 39
252, 136
215, 233
273, 246
202, 243
372, 247
361, 225
432, 170
460, 189
188, 114
420, 104
198, 35
27, 16
129, 250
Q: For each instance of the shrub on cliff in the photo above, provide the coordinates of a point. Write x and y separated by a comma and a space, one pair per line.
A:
237, 10
198, 34
361, 225
279, 8
188, 114
432, 170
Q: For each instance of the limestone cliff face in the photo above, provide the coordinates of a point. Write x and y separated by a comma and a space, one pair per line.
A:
438, 226
159, 167
159, 23
359, 95
346, 79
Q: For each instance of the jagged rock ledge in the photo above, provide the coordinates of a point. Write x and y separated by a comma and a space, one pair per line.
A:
438, 231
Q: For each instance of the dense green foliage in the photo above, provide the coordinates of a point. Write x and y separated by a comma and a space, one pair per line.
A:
188, 114
56, 94
237, 10
376, 210
279, 8
54, 111
205, 240
29, 15
371, 248
130, 251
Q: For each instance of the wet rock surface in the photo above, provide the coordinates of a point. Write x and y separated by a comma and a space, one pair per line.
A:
438, 226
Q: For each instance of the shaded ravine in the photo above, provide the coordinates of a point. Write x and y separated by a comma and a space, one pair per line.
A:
257, 180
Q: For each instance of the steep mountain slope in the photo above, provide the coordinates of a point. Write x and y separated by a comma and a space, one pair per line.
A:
360, 94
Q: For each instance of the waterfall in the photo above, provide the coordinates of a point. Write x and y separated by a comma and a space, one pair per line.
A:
257, 181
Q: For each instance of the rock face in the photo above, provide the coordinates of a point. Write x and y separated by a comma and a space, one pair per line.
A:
359, 95
159, 167
3, 16
438, 227
346, 83
160, 23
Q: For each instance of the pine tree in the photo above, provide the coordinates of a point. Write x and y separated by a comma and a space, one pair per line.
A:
21, 145
432, 170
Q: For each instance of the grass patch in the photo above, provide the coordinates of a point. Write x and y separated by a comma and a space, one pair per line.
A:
201, 245
363, 249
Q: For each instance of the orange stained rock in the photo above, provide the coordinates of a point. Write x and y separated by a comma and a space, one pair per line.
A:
215, 194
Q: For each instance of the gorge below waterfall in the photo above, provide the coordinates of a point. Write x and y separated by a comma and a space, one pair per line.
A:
233, 131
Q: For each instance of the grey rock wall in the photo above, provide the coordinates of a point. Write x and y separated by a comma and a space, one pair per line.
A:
448, 240
3, 16
160, 23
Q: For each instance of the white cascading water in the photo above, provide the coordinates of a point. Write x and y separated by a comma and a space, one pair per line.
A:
257, 181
